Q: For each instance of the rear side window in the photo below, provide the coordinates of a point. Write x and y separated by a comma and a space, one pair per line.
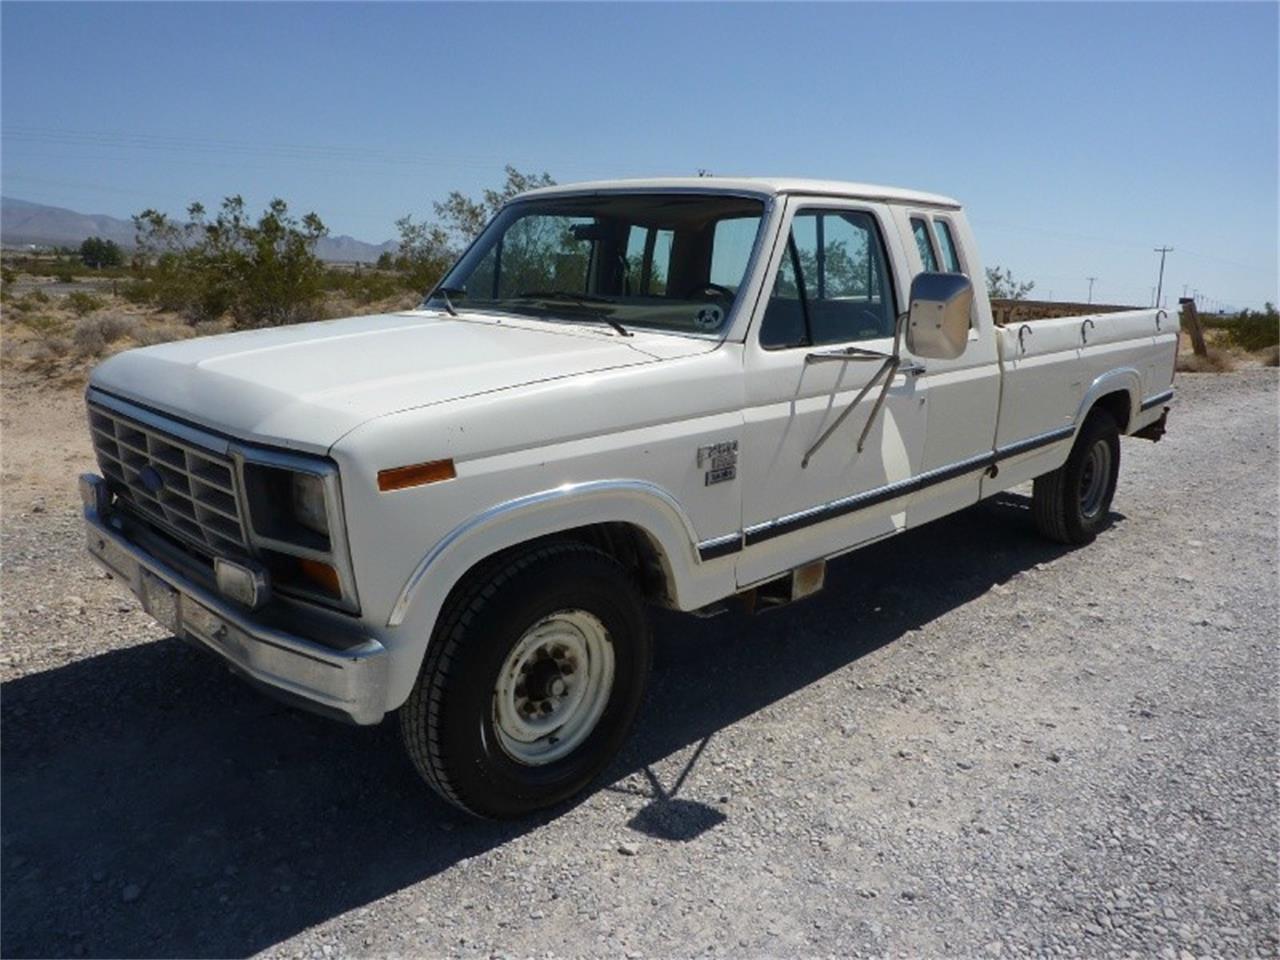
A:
947, 245
833, 285
924, 244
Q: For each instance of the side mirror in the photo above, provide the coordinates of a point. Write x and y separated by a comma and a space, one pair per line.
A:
938, 322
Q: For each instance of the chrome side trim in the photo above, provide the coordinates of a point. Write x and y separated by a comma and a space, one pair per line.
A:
759, 532
1033, 443
720, 546
1158, 399
640, 487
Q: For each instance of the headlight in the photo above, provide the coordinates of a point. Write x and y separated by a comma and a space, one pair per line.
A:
309, 507
296, 527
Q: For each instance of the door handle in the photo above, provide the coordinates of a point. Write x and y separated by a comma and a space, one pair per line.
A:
915, 369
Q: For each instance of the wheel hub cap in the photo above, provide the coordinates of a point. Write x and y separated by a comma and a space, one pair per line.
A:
553, 687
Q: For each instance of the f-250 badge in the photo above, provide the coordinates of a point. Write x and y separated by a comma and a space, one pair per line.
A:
720, 461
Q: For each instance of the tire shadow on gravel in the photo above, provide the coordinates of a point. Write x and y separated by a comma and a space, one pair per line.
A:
153, 805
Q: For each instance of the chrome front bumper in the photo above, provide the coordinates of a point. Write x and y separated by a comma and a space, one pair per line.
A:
347, 679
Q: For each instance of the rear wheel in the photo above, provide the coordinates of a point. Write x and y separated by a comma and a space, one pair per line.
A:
531, 681
1073, 503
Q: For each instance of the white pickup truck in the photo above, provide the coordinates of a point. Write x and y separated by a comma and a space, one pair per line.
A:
667, 392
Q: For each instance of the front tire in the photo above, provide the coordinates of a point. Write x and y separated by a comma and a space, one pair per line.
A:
1073, 503
531, 680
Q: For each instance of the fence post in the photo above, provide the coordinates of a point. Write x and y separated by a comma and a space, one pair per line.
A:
1191, 323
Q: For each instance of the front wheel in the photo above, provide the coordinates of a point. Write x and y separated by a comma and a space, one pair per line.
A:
1073, 503
530, 682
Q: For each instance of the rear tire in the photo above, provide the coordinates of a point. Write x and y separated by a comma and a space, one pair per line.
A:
531, 680
1073, 503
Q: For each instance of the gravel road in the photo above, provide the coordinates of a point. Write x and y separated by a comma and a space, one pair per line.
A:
973, 743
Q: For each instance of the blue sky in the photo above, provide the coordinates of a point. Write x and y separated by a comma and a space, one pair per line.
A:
1080, 136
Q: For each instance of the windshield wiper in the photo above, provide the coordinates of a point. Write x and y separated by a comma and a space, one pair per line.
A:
443, 293
578, 298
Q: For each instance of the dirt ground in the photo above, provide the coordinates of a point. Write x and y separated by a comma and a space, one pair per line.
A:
972, 743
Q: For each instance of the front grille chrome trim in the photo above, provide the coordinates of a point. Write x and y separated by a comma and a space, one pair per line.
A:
196, 497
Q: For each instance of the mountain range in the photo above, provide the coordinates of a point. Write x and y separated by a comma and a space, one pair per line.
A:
23, 223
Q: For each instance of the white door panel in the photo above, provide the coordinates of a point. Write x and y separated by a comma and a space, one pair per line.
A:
793, 513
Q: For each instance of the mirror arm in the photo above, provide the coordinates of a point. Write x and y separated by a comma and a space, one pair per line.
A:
889, 366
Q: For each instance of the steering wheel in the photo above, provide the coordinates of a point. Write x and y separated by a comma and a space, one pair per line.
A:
713, 288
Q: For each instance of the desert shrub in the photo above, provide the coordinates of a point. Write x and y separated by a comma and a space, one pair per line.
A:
1216, 361
50, 350
82, 304
210, 328
1249, 329
149, 334
7, 276
260, 272
1269, 356
137, 291
37, 296
364, 286
92, 335
43, 323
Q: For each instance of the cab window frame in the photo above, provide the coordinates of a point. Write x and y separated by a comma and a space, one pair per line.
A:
944, 226
921, 220
788, 259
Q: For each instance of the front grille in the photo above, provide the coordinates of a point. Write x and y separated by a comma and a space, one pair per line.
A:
183, 489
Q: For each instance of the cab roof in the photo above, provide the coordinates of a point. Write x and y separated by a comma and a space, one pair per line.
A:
758, 186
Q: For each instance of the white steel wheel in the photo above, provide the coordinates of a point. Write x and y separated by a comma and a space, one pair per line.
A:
1095, 479
553, 687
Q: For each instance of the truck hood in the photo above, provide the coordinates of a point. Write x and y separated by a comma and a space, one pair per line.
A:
305, 386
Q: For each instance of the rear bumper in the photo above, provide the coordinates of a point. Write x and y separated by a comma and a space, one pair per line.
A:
346, 678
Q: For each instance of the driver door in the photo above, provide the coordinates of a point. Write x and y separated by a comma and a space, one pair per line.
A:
833, 288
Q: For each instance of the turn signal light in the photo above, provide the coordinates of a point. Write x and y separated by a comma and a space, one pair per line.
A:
415, 475
321, 575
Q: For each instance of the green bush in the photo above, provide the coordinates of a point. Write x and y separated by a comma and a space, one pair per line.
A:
364, 285
82, 304
260, 272
1249, 329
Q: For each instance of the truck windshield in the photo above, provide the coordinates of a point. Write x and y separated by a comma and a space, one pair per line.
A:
657, 261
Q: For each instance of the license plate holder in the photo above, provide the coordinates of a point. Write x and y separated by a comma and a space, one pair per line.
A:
162, 601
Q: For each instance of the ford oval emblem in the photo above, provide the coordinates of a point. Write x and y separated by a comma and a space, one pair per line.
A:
151, 479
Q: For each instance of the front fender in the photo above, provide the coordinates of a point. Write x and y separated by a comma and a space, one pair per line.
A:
691, 582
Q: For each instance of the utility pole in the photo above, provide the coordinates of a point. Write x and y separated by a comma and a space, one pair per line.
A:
1160, 283
1091, 279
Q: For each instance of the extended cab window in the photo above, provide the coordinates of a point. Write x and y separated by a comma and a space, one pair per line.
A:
947, 244
833, 285
659, 261
921, 231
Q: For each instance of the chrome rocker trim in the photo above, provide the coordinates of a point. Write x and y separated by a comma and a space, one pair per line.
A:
349, 682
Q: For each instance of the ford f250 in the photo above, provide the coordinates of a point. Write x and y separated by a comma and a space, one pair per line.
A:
662, 392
